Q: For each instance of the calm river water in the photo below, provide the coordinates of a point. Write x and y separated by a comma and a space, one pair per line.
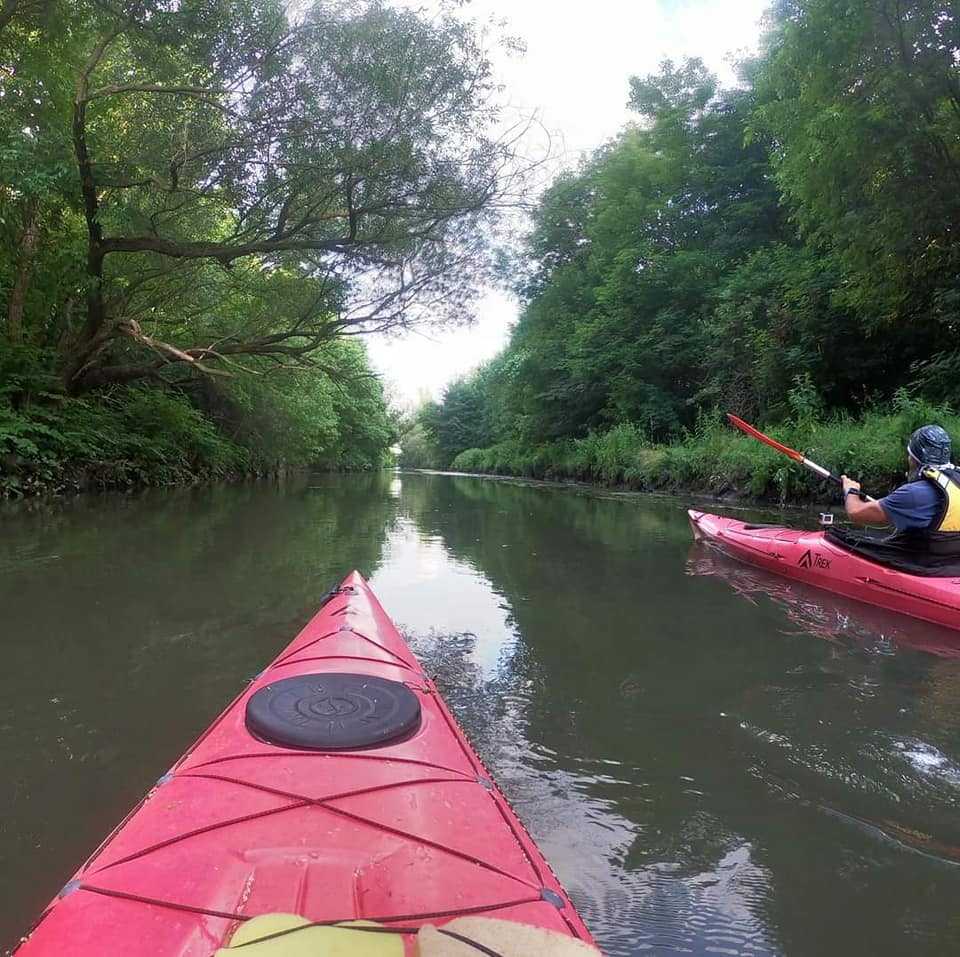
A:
714, 762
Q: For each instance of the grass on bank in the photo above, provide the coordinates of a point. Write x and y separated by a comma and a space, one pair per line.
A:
715, 459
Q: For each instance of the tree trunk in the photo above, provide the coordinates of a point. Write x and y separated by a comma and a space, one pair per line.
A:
21, 284
95, 334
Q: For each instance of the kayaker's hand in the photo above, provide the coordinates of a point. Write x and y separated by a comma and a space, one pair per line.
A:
863, 511
848, 483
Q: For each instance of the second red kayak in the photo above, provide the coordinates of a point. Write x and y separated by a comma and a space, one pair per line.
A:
810, 557
335, 807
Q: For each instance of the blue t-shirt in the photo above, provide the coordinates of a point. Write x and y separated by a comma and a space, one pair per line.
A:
915, 505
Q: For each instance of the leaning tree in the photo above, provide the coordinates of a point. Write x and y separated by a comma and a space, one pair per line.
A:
252, 182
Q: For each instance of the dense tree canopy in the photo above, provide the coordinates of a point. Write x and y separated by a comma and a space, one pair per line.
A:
224, 191
797, 232
861, 103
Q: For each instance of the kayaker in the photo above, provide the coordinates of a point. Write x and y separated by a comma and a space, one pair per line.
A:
926, 510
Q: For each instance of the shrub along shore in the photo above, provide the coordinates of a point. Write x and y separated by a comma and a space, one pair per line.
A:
161, 435
155, 439
713, 459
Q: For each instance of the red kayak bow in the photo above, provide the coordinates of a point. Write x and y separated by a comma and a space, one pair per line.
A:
336, 788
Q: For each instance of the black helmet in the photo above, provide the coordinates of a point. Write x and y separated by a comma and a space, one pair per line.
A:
930, 445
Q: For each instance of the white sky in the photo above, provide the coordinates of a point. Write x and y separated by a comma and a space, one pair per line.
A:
579, 58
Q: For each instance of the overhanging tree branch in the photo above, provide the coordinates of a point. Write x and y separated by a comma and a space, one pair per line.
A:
342, 164
207, 95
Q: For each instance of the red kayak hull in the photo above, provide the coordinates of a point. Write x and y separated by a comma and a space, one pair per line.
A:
408, 833
809, 557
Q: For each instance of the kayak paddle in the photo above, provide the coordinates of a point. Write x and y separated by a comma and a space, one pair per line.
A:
747, 428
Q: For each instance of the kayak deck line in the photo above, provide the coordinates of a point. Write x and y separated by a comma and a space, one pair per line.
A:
242, 918
377, 661
300, 802
377, 805
348, 755
353, 631
914, 597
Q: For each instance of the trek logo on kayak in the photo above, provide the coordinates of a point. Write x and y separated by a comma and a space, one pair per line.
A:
810, 560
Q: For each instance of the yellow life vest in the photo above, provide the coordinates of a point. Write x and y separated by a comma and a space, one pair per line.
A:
289, 935
948, 481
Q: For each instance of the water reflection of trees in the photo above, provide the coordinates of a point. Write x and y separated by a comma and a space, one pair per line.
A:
128, 623
738, 756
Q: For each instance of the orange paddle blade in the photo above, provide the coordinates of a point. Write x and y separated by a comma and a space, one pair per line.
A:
757, 434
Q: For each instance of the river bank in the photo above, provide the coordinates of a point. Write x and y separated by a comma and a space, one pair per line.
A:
716, 461
158, 437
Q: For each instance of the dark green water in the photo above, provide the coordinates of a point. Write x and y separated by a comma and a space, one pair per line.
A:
714, 763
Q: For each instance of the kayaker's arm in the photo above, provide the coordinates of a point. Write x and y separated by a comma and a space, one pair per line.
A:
869, 512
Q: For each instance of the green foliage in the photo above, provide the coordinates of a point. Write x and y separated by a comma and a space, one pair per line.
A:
190, 193
712, 458
419, 450
146, 435
861, 100
628, 255
305, 416
419, 445
622, 455
806, 404
463, 418
188, 183
786, 250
